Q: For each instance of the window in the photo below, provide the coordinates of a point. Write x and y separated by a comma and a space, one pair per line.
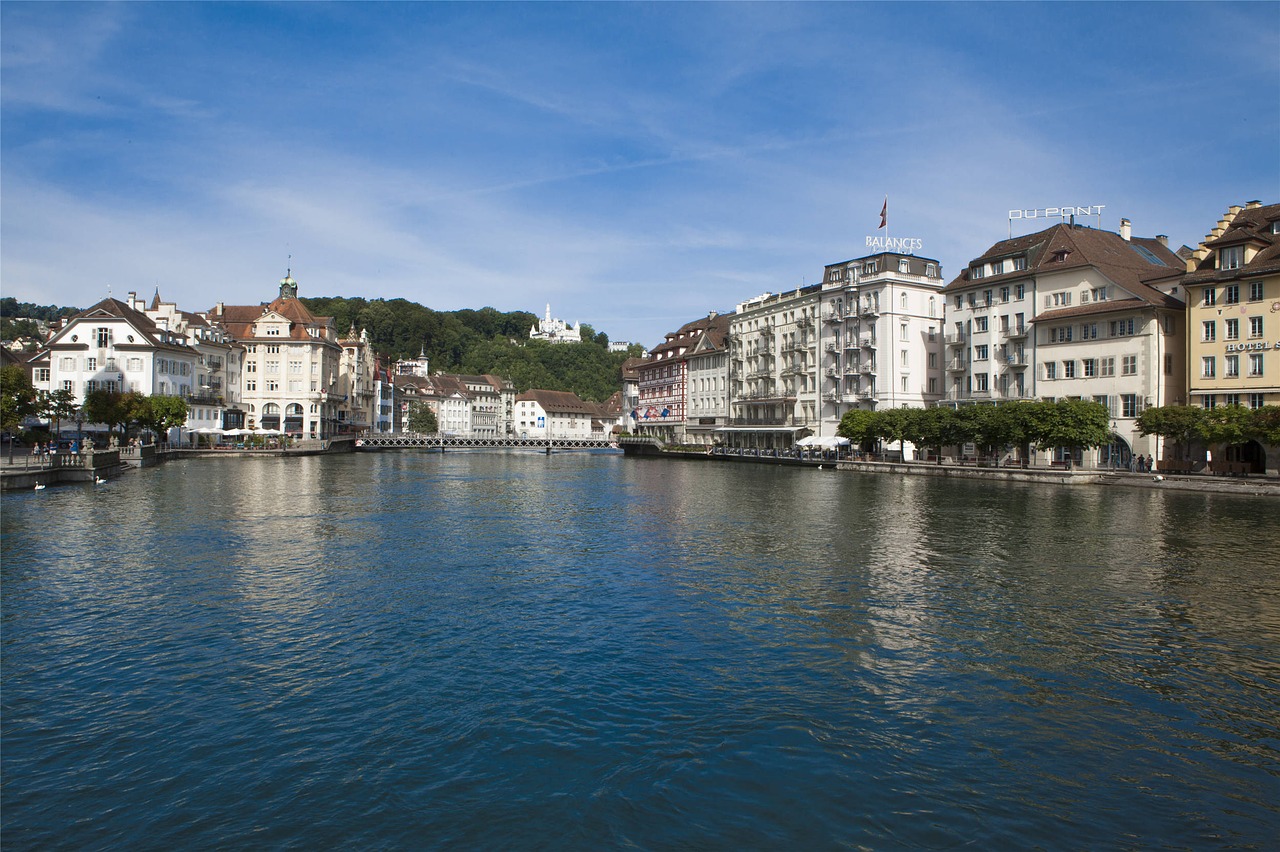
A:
1231, 366
251, 384
1210, 401
904, 265
1128, 405
1099, 294
273, 386
295, 367
930, 270
1210, 331
1019, 263
997, 267
871, 268
973, 300
1089, 367
933, 385
1232, 294
273, 365
933, 360
1061, 334
251, 366
1209, 367
980, 353
67, 365
1089, 331
91, 363
1129, 365
1233, 399
959, 301
1121, 328
1255, 291
1168, 365
986, 298
1231, 257
976, 272
979, 323
1210, 297
1233, 329
905, 387
1257, 400
980, 382
104, 338
1020, 290
1051, 370
67, 384
41, 374
1004, 294
1255, 364
273, 349
1255, 327
902, 331
1106, 366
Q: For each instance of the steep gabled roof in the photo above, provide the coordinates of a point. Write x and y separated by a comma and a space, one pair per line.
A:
151, 334
1134, 265
1251, 226
559, 402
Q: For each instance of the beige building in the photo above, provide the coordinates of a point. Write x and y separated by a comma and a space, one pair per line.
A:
1233, 310
1071, 312
292, 365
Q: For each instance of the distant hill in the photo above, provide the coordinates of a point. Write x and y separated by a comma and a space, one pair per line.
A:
480, 341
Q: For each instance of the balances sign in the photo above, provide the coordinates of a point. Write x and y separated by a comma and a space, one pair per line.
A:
903, 244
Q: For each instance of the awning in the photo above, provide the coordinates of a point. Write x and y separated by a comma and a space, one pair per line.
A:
792, 429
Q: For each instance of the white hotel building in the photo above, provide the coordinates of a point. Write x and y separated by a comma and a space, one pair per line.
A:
1071, 312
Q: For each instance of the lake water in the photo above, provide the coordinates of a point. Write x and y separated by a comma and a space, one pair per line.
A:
505, 650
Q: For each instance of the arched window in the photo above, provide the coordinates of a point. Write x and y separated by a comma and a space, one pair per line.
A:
270, 408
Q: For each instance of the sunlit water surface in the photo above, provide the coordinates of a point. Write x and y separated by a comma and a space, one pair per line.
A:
582, 651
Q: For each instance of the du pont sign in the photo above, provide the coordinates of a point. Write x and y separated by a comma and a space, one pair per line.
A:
1057, 212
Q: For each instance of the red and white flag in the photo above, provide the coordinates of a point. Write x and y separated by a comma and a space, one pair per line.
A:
884, 213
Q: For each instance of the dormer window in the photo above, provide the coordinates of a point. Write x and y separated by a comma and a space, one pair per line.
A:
1231, 257
976, 272
1019, 263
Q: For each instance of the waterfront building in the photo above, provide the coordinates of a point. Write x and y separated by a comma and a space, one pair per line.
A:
554, 414
880, 338
215, 398
555, 330
357, 380
1071, 312
420, 366
773, 358
113, 346
631, 392
707, 388
292, 365
665, 388
1233, 305
384, 400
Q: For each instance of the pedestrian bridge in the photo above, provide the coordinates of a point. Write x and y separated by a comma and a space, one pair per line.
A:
419, 441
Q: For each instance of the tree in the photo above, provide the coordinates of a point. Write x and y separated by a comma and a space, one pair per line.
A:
891, 424
59, 405
1264, 426
422, 418
934, 428
1071, 423
112, 407
856, 425
1182, 424
159, 414
1227, 425
17, 400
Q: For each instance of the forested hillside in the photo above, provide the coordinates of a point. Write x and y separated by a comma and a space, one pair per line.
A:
480, 341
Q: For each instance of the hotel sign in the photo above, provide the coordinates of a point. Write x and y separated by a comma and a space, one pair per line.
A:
902, 244
1056, 212
1260, 346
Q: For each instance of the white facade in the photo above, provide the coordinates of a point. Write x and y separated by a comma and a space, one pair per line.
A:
880, 341
553, 414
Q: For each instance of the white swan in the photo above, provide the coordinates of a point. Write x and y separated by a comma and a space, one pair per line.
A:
39, 486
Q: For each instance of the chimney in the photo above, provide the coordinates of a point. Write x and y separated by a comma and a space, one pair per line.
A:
1126, 230
218, 309
1163, 239
1249, 205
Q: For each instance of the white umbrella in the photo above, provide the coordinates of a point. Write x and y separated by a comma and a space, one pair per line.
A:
209, 430
261, 431
807, 442
833, 442
237, 432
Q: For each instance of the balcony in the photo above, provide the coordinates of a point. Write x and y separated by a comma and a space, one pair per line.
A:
871, 310
804, 322
795, 347
1018, 360
833, 317
867, 368
958, 338
833, 373
833, 396
1015, 332
957, 365
833, 347
867, 341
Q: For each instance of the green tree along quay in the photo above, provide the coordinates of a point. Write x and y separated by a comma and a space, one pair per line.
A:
158, 414
1266, 424
112, 407
422, 418
857, 425
57, 406
1181, 424
1072, 423
17, 400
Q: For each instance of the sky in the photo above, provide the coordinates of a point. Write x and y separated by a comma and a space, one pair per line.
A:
634, 165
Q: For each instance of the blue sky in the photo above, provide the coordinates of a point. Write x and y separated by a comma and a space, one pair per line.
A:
634, 165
